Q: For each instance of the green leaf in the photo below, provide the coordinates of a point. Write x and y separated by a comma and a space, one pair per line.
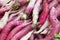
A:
57, 36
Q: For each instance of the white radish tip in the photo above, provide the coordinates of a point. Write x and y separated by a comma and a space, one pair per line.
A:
24, 16
36, 32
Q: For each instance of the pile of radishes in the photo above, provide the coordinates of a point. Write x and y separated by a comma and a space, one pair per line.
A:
29, 19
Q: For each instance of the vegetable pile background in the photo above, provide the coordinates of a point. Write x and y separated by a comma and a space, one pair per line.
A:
29, 19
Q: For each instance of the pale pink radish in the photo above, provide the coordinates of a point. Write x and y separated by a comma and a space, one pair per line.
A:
17, 29
43, 16
5, 18
53, 3
36, 11
22, 33
30, 6
55, 24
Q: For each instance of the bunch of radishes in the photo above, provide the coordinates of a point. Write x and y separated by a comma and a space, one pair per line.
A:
29, 19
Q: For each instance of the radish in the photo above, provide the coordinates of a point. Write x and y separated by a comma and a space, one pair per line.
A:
55, 24
17, 29
29, 19
53, 3
36, 11
4, 20
30, 6
22, 33
44, 14
8, 28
